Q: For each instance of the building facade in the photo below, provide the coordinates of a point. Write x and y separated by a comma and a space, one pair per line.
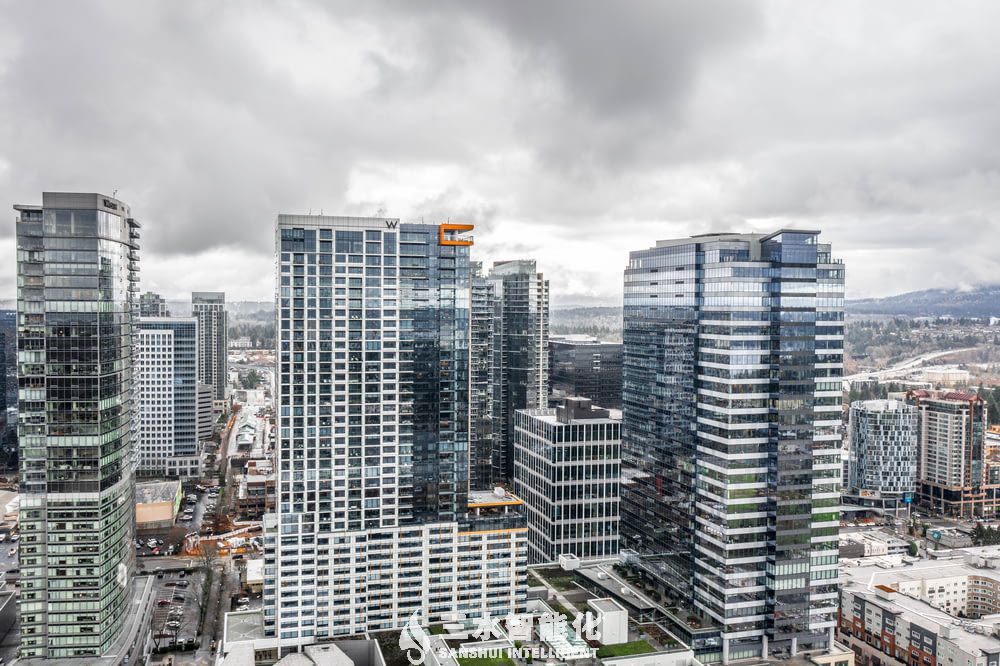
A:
567, 471
375, 521
732, 365
78, 267
167, 379
883, 469
520, 352
206, 417
209, 308
482, 438
153, 305
582, 365
951, 467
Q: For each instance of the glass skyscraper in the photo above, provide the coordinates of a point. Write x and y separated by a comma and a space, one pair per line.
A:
733, 354
77, 272
520, 352
375, 517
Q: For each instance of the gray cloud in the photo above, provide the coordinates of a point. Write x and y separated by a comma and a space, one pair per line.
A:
572, 131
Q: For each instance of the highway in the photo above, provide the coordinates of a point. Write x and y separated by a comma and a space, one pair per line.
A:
905, 366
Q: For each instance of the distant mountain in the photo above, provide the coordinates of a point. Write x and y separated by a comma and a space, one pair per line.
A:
982, 301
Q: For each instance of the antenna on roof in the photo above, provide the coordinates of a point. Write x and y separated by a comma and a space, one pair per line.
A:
114, 194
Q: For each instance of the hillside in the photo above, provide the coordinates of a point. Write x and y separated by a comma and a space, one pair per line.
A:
982, 301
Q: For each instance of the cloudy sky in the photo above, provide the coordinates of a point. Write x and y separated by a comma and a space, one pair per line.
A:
571, 132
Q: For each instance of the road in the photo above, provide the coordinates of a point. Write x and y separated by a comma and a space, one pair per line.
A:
907, 365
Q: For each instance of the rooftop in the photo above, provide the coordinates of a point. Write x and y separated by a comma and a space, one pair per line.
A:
492, 498
153, 492
872, 578
606, 605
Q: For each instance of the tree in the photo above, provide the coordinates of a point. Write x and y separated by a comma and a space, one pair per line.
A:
912, 549
251, 379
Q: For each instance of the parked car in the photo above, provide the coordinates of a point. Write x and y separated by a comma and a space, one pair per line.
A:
164, 602
243, 600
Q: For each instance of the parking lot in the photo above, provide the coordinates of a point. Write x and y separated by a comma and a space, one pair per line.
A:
177, 610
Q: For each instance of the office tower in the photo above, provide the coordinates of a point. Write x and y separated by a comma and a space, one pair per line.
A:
167, 378
206, 419
77, 269
481, 384
209, 308
376, 518
152, 305
520, 352
583, 366
883, 470
567, 471
951, 453
3, 384
733, 347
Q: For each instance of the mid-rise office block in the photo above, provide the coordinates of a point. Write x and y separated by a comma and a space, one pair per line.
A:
209, 308
567, 471
167, 377
883, 470
582, 365
520, 352
375, 520
153, 305
951, 469
77, 268
733, 357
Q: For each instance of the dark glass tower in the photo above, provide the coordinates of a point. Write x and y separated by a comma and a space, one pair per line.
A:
77, 268
520, 352
733, 353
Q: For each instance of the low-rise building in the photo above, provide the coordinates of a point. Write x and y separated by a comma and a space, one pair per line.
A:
921, 612
255, 493
871, 543
156, 504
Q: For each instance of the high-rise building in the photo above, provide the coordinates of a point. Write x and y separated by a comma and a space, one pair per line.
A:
77, 268
883, 469
567, 471
152, 305
481, 384
167, 378
520, 352
375, 520
582, 365
951, 453
209, 308
206, 418
733, 354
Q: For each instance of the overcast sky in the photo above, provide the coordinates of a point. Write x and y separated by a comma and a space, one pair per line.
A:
570, 132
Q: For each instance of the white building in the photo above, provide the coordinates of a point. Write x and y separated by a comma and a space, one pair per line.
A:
166, 376
374, 518
567, 470
612, 620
